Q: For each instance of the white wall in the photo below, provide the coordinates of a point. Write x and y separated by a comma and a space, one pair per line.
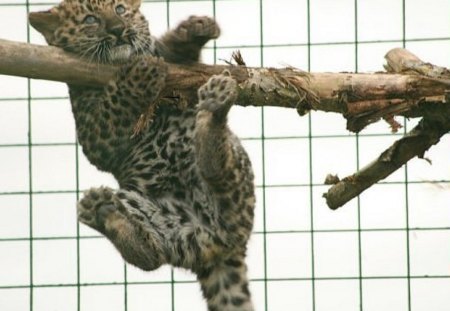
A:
361, 253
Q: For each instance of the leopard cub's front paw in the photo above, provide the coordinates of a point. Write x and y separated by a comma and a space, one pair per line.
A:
218, 94
95, 207
198, 28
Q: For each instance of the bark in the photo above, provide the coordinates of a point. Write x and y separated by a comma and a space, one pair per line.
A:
410, 88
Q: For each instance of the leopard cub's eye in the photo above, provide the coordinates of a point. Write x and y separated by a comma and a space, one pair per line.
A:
120, 9
90, 20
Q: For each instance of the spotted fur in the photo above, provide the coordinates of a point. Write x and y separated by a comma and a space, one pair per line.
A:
186, 194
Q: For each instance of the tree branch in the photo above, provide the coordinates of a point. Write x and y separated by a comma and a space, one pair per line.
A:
412, 88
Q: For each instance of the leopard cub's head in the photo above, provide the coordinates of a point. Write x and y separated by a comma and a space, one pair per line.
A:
106, 31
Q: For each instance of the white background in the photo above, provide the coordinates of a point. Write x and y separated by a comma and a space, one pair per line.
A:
360, 257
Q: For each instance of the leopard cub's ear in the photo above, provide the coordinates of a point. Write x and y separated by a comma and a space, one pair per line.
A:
46, 22
135, 3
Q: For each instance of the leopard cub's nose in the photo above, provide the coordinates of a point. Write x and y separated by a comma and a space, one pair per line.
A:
117, 31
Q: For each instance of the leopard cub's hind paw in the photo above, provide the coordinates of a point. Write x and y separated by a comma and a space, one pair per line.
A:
218, 94
95, 207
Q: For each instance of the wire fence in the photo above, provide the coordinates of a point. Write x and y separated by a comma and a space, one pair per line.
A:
387, 250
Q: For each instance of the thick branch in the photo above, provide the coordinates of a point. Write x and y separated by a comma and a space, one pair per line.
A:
354, 95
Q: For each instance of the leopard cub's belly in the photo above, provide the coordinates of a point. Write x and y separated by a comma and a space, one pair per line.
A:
163, 160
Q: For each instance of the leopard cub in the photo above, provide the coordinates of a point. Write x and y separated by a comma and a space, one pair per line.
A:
186, 194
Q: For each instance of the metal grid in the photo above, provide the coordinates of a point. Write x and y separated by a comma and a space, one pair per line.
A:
388, 250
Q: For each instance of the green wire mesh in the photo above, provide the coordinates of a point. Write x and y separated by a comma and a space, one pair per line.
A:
302, 256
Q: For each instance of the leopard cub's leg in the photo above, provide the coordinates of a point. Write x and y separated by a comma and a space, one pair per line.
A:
106, 118
225, 285
120, 217
218, 151
143, 77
